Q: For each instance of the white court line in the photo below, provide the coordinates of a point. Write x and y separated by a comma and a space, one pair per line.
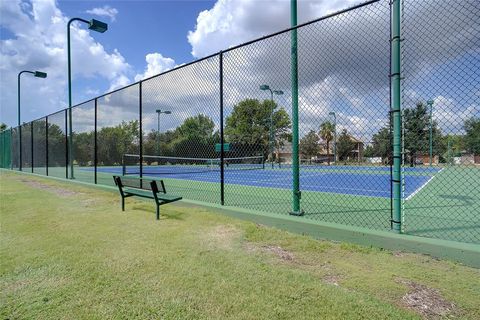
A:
423, 185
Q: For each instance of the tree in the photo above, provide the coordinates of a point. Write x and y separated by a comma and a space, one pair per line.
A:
197, 128
114, 142
472, 138
309, 145
156, 144
249, 124
381, 145
3, 126
417, 136
195, 137
56, 146
345, 145
327, 130
83, 151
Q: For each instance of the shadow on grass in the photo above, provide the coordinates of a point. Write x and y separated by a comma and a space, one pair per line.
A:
165, 214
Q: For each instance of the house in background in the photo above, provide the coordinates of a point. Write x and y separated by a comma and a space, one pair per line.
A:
356, 154
285, 153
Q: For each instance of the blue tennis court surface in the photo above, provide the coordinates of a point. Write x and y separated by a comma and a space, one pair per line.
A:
351, 180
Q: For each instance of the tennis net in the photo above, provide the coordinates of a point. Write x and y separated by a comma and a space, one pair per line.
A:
155, 165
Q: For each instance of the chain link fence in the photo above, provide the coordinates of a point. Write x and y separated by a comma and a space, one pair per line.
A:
219, 130
441, 117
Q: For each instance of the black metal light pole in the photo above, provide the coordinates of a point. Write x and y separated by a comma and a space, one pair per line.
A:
94, 25
37, 74
271, 139
159, 112
335, 136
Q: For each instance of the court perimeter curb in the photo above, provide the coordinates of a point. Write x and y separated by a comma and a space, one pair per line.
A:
466, 253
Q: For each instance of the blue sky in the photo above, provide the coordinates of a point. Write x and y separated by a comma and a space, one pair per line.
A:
142, 27
148, 37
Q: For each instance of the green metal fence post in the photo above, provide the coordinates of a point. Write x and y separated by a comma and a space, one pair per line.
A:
430, 136
396, 114
70, 131
19, 125
294, 74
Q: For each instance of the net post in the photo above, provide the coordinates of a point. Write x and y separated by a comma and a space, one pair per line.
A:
46, 145
395, 107
222, 140
95, 143
294, 74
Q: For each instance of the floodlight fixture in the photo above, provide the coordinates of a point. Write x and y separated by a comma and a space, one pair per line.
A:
97, 25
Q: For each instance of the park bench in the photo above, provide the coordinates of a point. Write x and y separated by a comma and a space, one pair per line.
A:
144, 188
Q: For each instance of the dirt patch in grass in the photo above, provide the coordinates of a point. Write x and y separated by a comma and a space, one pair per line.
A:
64, 193
222, 236
331, 279
278, 251
426, 301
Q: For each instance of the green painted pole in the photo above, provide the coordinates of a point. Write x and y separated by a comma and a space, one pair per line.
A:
271, 129
430, 140
449, 155
70, 129
396, 114
19, 127
294, 71
158, 132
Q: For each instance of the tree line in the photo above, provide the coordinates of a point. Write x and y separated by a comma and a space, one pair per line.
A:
247, 128
250, 128
416, 139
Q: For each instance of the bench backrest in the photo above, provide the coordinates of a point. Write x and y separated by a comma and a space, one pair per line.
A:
118, 183
138, 183
154, 186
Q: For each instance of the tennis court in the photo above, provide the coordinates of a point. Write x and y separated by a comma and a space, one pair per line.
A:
248, 171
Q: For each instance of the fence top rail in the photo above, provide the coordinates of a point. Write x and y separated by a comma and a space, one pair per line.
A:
331, 15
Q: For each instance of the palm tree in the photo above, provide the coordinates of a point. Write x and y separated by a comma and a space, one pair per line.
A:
326, 133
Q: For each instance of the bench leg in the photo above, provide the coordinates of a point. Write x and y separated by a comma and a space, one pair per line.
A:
158, 212
123, 204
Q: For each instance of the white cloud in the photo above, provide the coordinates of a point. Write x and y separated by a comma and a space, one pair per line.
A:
450, 115
156, 63
39, 43
105, 11
231, 22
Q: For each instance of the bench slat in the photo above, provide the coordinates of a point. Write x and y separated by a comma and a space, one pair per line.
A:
138, 192
149, 194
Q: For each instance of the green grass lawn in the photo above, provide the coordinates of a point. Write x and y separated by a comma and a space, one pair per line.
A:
69, 252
